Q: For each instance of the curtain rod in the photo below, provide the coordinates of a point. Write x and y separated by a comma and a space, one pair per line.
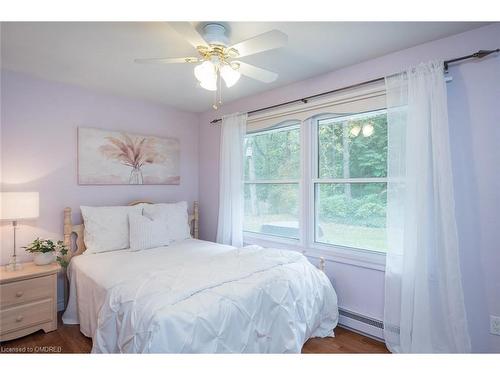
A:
477, 55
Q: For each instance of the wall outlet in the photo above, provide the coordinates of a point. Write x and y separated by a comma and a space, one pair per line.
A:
495, 325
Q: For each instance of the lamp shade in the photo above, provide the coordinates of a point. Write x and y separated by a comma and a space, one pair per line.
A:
14, 206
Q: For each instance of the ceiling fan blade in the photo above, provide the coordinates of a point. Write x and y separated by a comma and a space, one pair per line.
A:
175, 60
257, 73
260, 43
188, 32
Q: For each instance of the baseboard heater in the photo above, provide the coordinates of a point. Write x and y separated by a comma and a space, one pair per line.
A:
361, 323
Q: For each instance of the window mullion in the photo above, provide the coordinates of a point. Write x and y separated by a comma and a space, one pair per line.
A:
312, 175
304, 185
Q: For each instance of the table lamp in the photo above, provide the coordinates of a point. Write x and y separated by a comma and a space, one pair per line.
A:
16, 206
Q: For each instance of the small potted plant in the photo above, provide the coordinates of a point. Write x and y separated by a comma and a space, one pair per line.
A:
46, 250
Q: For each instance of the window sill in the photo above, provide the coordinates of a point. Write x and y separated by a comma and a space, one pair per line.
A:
355, 257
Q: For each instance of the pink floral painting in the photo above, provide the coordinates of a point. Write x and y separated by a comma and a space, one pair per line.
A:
119, 158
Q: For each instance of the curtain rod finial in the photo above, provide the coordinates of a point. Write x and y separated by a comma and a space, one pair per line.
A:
482, 53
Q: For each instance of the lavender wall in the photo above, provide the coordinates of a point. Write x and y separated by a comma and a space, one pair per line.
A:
38, 152
38, 149
474, 113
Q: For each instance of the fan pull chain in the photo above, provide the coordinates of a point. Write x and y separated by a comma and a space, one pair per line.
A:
220, 89
217, 89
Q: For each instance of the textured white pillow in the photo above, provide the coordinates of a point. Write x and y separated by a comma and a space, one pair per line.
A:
174, 217
107, 228
146, 233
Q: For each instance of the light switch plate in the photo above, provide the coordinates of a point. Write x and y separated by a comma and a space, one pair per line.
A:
495, 325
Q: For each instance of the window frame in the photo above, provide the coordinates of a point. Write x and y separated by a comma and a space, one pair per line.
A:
249, 235
316, 180
309, 177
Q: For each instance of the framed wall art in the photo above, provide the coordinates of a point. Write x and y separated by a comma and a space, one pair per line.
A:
119, 158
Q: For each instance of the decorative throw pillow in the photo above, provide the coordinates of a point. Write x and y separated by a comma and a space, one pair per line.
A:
146, 233
173, 215
107, 228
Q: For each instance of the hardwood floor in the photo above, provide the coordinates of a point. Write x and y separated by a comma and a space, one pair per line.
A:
68, 339
346, 342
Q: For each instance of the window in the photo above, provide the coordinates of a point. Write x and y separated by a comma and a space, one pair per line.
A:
350, 181
272, 176
320, 180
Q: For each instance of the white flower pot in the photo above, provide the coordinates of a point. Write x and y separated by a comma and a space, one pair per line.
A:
42, 259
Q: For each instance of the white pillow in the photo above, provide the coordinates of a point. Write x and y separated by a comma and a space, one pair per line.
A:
107, 228
146, 233
174, 216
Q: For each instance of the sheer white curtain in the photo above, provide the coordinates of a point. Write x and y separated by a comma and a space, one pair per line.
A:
230, 224
424, 306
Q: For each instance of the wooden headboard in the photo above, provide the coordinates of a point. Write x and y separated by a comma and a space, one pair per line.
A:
79, 229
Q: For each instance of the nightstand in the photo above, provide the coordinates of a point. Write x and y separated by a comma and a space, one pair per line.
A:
28, 300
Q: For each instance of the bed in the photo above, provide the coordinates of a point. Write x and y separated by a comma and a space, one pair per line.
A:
196, 296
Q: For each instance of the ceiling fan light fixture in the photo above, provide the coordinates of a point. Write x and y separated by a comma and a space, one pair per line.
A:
216, 56
209, 85
206, 74
229, 75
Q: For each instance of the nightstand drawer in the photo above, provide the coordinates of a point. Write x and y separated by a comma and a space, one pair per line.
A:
24, 291
19, 317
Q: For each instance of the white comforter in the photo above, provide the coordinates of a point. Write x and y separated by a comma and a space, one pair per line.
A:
200, 297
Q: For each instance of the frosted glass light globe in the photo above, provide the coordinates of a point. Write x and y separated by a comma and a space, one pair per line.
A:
206, 74
209, 84
229, 75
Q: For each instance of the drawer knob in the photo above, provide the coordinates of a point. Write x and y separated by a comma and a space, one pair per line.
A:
19, 294
19, 318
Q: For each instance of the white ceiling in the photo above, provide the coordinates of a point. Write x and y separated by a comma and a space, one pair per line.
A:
100, 55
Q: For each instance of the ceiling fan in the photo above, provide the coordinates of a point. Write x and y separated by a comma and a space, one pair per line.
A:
218, 59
